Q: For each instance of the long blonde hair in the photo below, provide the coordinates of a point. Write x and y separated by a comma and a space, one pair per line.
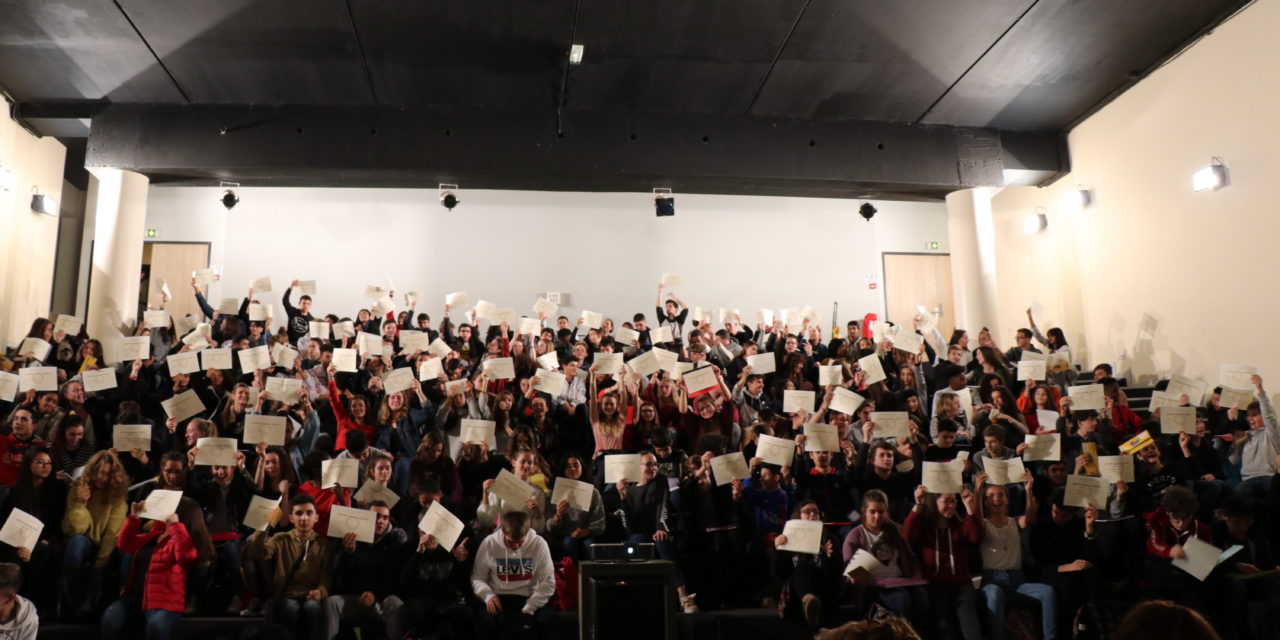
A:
117, 486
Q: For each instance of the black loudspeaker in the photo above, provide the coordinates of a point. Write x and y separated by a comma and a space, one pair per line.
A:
625, 600
665, 206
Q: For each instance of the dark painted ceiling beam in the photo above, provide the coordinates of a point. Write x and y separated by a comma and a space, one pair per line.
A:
406, 147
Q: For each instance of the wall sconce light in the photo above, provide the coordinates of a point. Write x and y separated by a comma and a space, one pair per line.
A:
1036, 222
42, 203
1212, 177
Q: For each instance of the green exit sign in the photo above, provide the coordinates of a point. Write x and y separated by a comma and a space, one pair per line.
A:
934, 246
153, 233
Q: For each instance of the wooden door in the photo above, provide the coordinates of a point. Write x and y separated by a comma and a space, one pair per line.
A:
912, 279
174, 262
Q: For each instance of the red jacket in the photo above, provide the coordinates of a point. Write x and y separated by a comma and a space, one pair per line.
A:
345, 423
1162, 537
166, 586
325, 499
943, 553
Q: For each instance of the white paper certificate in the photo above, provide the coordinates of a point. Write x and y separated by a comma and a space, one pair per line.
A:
477, 431
1048, 420
340, 472
579, 494
1032, 369
99, 380
215, 358
397, 380
1086, 397
346, 360
1175, 419
1202, 557
183, 406
286, 390
8, 386
260, 428
261, 284
21, 530
1004, 471
70, 325
258, 312
256, 358
38, 378
344, 520
890, 424
846, 401
372, 491
1085, 490
1236, 376
1235, 398
160, 504
830, 375
545, 307
229, 307
127, 437
345, 329
187, 362
261, 513
219, 452
623, 466
549, 382
611, 363
1180, 385
625, 337
442, 525
430, 369
318, 329
701, 379
762, 363
661, 335
871, 366
513, 491
287, 357
500, 368
821, 437
777, 451
729, 467
793, 401
156, 318
943, 477
369, 344
1043, 447
907, 340
803, 536
457, 299
1115, 469
134, 348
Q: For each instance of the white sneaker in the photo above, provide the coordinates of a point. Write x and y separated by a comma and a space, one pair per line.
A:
688, 604
253, 610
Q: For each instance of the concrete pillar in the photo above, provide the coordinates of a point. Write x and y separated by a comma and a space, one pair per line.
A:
972, 236
117, 206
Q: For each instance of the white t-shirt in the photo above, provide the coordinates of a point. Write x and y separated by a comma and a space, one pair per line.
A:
1001, 546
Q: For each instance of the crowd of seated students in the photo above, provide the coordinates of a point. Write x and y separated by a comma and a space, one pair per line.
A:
967, 565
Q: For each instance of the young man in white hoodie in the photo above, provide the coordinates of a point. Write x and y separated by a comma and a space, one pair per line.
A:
514, 579
18, 617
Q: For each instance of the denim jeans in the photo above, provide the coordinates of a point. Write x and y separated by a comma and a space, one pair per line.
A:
80, 549
1001, 586
1254, 488
287, 612
488, 625
127, 612
911, 603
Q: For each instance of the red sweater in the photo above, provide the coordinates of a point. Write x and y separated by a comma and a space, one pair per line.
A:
1162, 537
345, 423
943, 553
11, 452
166, 586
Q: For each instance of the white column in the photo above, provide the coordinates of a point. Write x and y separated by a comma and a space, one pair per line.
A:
971, 233
117, 201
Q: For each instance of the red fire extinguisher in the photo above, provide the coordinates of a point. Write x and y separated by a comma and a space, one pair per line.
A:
869, 325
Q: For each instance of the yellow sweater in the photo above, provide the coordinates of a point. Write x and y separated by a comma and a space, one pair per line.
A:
99, 520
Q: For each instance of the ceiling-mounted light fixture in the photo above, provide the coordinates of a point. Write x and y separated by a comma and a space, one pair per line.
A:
664, 203
42, 203
575, 54
1036, 222
449, 199
1212, 177
229, 199
867, 211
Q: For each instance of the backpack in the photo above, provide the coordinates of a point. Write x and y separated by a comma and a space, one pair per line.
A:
566, 598
1093, 622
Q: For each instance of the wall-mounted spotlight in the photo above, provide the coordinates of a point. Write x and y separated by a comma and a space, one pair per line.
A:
575, 54
664, 203
449, 199
867, 211
1082, 196
1036, 222
42, 203
229, 199
1212, 177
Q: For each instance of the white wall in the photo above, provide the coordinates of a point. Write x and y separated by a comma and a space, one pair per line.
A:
1154, 276
28, 240
607, 251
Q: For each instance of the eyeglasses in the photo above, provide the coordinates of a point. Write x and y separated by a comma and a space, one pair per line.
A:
42, 463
